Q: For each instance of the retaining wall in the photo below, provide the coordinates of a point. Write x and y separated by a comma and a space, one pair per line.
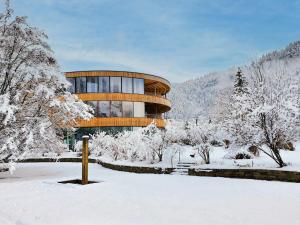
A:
258, 174
136, 169
132, 169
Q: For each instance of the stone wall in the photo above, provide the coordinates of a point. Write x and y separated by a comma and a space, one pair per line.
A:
36, 160
136, 169
132, 169
258, 174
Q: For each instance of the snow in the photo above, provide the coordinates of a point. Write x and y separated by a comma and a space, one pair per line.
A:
219, 160
32, 196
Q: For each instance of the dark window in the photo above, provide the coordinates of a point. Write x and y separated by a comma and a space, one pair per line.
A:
116, 109
115, 84
104, 84
138, 86
71, 88
104, 109
127, 109
94, 106
92, 84
127, 85
80, 84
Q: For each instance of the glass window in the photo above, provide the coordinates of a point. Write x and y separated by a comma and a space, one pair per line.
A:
94, 106
138, 86
103, 84
116, 109
126, 84
127, 109
71, 88
92, 84
104, 109
115, 84
80, 84
139, 109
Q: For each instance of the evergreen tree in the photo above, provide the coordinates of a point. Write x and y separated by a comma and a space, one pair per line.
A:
240, 83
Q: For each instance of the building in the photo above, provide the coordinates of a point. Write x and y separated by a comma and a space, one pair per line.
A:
121, 100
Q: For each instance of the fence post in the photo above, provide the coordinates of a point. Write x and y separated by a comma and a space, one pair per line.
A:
85, 160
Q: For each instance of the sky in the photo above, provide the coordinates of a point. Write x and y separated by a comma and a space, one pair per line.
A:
176, 39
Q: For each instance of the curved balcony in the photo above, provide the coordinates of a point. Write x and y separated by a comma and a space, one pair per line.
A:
164, 104
153, 84
120, 122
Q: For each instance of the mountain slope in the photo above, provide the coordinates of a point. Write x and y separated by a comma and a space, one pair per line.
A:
194, 98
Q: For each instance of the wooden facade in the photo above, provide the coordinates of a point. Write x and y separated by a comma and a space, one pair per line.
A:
153, 84
120, 122
164, 104
155, 89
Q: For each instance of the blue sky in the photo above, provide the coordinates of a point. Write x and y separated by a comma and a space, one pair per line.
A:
177, 39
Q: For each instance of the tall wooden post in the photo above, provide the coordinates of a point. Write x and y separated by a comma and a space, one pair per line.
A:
85, 160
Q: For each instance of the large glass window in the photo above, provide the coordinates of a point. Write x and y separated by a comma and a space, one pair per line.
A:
139, 109
116, 109
126, 84
71, 88
104, 109
138, 86
80, 84
92, 84
93, 104
127, 109
104, 84
115, 84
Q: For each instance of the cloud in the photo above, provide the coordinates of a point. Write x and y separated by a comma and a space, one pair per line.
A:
175, 39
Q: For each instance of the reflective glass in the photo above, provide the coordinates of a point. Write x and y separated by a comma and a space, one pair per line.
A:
104, 108
127, 109
80, 84
103, 84
92, 84
139, 109
115, 84
138, 86
126, 84
116, 109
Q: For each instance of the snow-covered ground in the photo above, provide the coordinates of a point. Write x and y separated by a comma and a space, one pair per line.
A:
219, 159
32, 196
217, 156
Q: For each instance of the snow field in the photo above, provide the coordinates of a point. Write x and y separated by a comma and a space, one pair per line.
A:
32, 196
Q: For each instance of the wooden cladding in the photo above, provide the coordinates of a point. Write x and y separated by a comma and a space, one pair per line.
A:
152, 83
120, 122
126, 97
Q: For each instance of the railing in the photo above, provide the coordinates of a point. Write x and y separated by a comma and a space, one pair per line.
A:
156, 94
154, 116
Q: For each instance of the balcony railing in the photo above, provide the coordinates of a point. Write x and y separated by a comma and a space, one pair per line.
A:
155, 94
154, 116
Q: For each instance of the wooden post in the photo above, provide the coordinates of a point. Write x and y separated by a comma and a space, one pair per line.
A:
85, 160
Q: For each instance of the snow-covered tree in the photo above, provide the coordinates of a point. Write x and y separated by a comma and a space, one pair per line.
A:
274, 102
236, 107
266, 113
34, 104
201, 137
240, 83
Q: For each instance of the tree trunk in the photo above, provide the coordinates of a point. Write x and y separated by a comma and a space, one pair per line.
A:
278, 156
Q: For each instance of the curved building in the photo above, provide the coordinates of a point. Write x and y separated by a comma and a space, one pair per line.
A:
121, 100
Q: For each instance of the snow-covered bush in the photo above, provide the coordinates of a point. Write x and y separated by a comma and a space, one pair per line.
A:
144, 144
204, 150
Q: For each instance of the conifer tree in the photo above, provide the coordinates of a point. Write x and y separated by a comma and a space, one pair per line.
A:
240, 84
